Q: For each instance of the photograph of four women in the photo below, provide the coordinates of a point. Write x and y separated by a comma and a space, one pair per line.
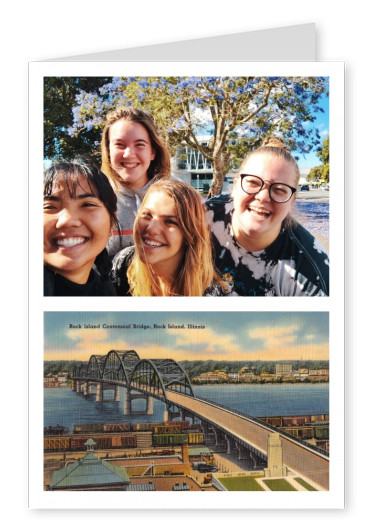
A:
131, 228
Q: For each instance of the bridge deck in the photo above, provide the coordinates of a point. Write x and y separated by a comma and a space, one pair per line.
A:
298, 458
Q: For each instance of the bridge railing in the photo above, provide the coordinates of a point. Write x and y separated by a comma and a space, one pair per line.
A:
265, 425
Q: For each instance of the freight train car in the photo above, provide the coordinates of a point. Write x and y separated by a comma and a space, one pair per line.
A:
105, 443
301, 432
167, 429
57, 443
321, 432
300, 420
184, 424
117, 428
101, 443
319, 418
295, 420
165, 439
88, 428
195, 437
56, 430
145, 426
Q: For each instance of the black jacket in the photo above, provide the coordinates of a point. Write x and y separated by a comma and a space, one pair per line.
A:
96, 286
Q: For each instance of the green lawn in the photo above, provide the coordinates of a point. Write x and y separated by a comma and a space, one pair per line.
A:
304, 484
278, 484
241, 483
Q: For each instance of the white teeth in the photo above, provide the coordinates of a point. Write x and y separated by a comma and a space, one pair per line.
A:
130, 165
69, 242
153, 244
260, 211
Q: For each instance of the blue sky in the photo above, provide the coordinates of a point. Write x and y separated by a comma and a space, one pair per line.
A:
225, 336
311, 160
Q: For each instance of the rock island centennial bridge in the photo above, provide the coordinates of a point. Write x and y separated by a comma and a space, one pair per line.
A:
165, 380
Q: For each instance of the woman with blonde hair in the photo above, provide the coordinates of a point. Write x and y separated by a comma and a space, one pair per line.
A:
172, 253
259, 247
134, 156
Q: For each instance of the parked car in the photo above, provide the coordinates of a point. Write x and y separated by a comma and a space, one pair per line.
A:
304, 188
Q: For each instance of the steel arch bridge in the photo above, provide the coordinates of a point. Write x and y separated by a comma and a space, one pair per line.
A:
125, 368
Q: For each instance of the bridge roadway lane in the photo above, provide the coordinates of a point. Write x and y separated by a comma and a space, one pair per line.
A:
297, 458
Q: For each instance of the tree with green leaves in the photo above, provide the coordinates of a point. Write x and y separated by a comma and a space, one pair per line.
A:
236, 112
321, 173
59, 98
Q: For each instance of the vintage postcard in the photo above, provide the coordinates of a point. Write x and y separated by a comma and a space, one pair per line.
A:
205, 402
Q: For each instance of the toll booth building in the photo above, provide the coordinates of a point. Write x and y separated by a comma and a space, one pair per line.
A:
90, 473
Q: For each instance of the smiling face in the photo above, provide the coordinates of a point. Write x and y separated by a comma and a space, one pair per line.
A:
158, 236
131, 152
76, 230
257, 220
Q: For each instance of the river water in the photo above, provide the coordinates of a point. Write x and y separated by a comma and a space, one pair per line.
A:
66, 408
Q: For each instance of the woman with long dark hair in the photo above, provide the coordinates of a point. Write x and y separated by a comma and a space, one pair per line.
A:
79, 214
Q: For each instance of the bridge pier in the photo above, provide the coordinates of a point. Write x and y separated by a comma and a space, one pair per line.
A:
184, 415
149, 405
219, 439
169, 414
230, 445
149, 410
243, 452
99, 394
117, 393
127, 403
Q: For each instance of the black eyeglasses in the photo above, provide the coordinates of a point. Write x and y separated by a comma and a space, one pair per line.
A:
278, 192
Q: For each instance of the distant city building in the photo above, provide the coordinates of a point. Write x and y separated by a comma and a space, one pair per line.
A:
212, 376
319, 372
247, 376
189, 165
59, 380
267, 375
234, 376
283, 369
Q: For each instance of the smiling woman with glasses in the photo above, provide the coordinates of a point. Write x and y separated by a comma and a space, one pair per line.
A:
259, 248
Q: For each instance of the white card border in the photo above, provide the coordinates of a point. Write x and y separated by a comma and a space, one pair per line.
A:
334, 304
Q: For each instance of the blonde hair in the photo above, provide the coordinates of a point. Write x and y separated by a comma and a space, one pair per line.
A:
196, 272
275, 147
159, 168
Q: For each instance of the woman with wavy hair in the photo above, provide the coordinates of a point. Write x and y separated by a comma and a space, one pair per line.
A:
172, 255
134, 156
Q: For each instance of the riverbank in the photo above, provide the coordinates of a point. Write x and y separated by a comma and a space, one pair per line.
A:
262, 382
